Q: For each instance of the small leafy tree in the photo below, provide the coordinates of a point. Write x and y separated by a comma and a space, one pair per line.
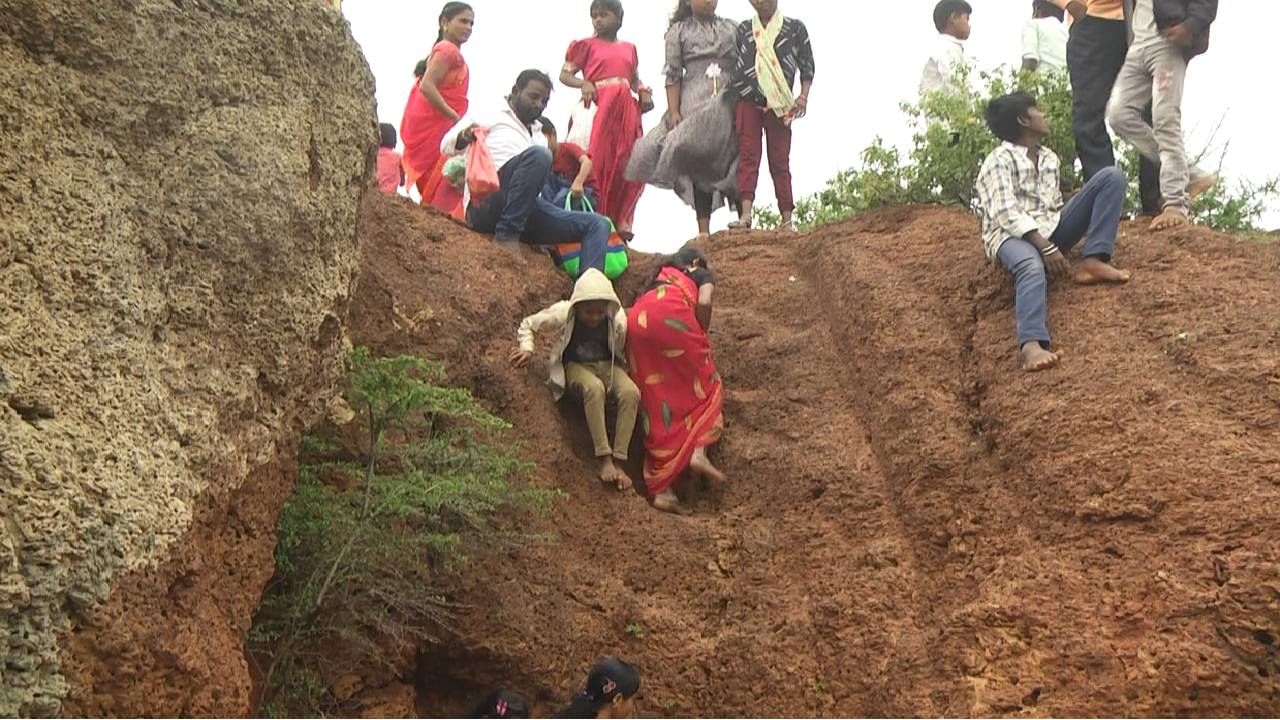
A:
364, 546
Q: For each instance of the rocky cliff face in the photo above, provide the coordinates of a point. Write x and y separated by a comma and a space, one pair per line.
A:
179, 183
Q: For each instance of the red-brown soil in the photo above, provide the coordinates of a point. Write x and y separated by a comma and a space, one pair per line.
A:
912, 525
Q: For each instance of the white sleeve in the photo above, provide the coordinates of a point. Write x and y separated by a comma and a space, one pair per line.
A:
1030, 41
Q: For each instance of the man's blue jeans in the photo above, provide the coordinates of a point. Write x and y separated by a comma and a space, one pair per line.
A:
518, 211
1095, 211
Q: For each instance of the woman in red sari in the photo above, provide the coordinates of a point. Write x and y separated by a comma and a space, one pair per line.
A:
681, 395
610, 71
436, 103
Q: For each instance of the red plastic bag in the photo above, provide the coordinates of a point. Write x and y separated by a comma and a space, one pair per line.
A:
482, 176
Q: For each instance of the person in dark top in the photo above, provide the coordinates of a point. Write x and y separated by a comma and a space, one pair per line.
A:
502, 704
588, 358
764, 79
612, 686
570, 172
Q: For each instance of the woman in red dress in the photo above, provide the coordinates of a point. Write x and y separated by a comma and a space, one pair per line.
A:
436, 103
681, 395
610, 72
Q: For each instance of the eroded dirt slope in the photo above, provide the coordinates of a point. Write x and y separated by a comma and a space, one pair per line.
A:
912, 525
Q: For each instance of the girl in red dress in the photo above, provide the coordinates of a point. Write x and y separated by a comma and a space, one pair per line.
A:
436, 103
610, 72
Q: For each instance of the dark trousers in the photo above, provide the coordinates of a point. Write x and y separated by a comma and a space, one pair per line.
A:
1095, 55
754, 121
518, 210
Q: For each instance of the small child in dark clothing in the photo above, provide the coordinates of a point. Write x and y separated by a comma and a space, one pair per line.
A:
570, 172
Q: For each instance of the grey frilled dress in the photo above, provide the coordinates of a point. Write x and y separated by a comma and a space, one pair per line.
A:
702, 151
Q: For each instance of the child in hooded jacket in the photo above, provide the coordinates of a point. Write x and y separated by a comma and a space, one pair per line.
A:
588, 358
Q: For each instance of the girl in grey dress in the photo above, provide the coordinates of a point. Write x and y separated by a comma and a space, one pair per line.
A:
694, 150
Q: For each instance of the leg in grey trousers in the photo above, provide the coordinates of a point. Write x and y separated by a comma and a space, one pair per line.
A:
1157, 75
1094, 211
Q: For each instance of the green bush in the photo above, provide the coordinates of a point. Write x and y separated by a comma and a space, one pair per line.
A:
949, 141
364, 547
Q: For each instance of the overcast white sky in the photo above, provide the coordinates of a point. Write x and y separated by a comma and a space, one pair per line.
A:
869, 58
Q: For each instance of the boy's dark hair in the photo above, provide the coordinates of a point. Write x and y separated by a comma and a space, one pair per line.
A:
528, 76
387, 133
945, 9
613, 6
548, 127
420, 69
502, 704
1044, 8
1003, 114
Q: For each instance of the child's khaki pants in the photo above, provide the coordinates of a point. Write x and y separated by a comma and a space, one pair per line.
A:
595, 383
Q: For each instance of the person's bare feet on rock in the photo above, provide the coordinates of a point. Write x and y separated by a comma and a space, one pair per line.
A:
668, 502
1093, 271
701, 465
613, 476
1169, 219
1035, 358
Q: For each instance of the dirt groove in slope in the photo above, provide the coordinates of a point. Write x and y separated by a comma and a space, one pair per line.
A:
900, 535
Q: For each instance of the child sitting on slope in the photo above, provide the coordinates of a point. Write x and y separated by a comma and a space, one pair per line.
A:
588, 357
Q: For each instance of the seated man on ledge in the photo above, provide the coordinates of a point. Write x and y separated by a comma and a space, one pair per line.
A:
1026, 228
517, 212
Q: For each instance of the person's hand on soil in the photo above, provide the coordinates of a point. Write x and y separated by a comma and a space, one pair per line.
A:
520, 357
673, 119
1058, 265
588, 92
1180, 35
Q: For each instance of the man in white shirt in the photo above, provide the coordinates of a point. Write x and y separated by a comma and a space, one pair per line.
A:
1027, 229
517, 211
1166, 35
951, 18
1044, 38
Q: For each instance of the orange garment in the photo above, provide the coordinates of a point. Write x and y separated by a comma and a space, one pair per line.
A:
1106, 9
423, 127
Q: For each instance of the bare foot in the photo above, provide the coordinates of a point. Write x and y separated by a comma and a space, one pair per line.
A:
1169, 219
1092, 271
1035, 358
1201, 186
668, 502
701, 465
613, 476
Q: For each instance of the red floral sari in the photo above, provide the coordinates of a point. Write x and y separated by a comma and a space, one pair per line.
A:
681, 396
423, 127
617, 126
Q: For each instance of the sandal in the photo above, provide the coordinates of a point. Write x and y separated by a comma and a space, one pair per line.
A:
740, 224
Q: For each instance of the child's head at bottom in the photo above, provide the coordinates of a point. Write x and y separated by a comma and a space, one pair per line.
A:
387, 136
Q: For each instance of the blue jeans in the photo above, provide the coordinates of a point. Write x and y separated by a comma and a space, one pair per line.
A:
1095, 211
556, 191
518, 211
